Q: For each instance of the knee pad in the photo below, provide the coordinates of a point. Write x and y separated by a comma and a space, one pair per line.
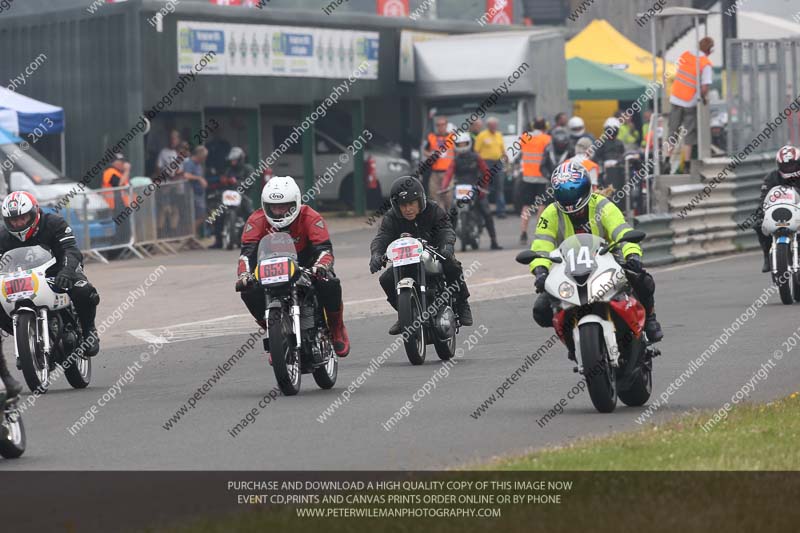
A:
94, 297
647, 283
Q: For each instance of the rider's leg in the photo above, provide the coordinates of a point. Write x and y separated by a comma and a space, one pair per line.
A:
329, 289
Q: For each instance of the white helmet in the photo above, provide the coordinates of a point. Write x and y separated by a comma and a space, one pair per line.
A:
612, 123
582, 146
463, 142
576, 126
281, 191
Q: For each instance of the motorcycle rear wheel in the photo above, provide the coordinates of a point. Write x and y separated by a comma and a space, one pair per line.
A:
600, 377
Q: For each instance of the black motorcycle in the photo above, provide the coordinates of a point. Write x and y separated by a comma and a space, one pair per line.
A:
12, 431
425, 303
297, 336
469, 222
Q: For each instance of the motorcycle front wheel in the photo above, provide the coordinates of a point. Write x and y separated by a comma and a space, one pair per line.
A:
782, 255
600, 377
35, 366
285, 360
408, 309
12, 435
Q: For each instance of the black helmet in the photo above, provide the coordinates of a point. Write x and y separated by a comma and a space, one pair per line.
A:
406, 189
560, 139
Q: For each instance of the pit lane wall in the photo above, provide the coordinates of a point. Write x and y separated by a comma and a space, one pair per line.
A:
705, 214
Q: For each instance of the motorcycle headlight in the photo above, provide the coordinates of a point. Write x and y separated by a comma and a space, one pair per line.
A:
603, 285
566, 290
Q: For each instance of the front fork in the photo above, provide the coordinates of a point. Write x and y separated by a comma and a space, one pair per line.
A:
795, 266
294, 313
42, 331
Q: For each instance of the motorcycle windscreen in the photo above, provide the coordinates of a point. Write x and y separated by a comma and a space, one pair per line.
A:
279, 244
579, 252
25, 258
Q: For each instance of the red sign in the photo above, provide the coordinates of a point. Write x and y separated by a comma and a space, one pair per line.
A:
499, 12
393, 8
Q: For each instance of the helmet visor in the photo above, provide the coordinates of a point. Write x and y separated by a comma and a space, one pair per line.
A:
280, 211
20, 222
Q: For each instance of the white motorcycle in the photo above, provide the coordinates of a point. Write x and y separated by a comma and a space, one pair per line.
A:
46, 328
599, 318
782, 222
234, 222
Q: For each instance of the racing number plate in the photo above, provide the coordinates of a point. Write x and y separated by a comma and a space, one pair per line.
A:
405, 252
276, 270
463, 192
18, 287
231, 198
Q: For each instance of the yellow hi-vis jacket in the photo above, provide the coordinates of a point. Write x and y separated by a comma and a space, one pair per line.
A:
554, 226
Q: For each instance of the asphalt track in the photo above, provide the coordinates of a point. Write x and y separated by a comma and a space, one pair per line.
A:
695, 301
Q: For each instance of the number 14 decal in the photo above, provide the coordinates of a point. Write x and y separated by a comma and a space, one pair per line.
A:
583, 258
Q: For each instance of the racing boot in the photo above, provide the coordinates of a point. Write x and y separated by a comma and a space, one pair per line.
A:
652, 327
492, 234
13, 388
341, 342
464, 312
92, 341
395, 328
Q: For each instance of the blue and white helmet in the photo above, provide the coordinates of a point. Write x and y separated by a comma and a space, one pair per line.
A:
572, 187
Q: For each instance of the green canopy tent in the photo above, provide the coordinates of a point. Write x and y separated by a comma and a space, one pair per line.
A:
587, 80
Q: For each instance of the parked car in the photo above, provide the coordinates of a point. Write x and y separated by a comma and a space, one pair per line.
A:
382, 165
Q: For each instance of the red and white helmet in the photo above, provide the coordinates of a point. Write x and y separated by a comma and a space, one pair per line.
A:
281, 193
788, 160
21, 215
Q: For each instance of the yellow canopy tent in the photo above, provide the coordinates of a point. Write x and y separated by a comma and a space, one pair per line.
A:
602, 43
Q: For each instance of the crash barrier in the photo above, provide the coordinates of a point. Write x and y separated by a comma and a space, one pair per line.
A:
91, 218
763, 79
720, 219
144, 220
163, 217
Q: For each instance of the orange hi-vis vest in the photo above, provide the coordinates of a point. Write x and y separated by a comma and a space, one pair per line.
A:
532, 154
591, 167
437, 143
685, 84
108, 174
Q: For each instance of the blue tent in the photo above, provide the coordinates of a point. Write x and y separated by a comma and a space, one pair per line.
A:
30, 113
8, 137
22, 115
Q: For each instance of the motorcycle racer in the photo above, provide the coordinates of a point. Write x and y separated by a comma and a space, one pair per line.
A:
576, 209
787, 173
281, 210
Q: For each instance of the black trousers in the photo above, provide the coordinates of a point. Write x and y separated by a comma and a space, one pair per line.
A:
453, 274
329, 292
764, 240
84, 297
643, 286
482, 205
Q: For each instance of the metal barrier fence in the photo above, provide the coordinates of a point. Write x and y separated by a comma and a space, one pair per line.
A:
763, 78
719, 223
91, 213
130, 220
164, 219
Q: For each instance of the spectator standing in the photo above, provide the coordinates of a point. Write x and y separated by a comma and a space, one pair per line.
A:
560, 121
168, 169
439, 154
474, 129
628, 133
194, 172
533, 188
489, 145
118, 174
684, 95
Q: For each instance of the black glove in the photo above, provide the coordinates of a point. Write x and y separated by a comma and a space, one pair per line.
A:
634, 263
320, 271
245, 281
375, 263
448, 252
64, 279
541, 275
